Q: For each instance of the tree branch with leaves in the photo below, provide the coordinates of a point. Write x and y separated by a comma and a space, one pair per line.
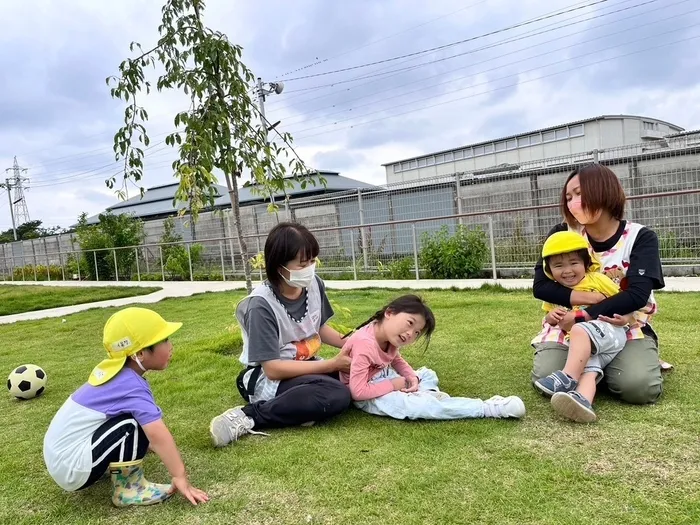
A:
216, 133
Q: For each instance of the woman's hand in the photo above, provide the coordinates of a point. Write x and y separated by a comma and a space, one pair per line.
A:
555, 316
341, 362
618, 320
194, 495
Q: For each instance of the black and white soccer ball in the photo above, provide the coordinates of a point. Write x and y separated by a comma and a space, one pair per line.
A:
26, 381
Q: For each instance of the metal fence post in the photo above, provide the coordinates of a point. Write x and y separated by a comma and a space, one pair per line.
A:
458, 196
189, 261
138, 270
78, 261
116, 266
223, 267
352, 253
493, 248
230, 241
259, 250
60, 258
48, 261
162, 267
97, 274
363, 235
34, 256
415, 250
145, 258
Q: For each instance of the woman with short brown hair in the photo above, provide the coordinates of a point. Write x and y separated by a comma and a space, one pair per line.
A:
593, 204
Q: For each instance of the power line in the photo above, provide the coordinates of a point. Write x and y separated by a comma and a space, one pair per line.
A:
490, 90
379, 40
452, 79
452, 44
524, 36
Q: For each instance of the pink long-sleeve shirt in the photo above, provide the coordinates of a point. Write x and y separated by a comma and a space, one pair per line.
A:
368, 359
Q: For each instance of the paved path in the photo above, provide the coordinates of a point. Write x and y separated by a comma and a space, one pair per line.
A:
186, 289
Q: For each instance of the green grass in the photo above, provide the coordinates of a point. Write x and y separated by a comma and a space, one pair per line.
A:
637, 465
16, 299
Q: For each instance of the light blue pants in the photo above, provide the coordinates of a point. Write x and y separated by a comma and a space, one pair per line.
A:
424, 404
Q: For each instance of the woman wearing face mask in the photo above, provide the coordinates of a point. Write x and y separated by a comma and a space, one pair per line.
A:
283, 323
593, 203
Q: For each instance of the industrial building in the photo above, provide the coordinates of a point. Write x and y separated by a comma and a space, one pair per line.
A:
548, 144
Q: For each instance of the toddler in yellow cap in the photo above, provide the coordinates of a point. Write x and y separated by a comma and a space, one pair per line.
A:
110, 422
593, 344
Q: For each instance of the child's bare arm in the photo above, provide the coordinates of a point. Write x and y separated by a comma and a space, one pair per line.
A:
163, 444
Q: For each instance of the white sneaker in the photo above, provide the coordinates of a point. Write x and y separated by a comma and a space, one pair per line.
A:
504, 407
230, 426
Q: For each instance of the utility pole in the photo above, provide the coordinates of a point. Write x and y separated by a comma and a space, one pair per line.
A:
21, 212
8, 187
276, 88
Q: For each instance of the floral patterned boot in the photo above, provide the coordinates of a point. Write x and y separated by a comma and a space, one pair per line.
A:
129, 487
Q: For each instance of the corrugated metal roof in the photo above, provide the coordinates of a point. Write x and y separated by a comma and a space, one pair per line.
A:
602, 117
159, 199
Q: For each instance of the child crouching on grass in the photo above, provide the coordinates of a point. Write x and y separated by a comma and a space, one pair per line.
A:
592, 344
383, 383
109, 422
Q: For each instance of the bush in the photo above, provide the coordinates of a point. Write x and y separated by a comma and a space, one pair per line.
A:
459, 256
402, 269
41, 274
175, 255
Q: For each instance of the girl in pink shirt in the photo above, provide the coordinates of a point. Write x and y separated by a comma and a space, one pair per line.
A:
383, 383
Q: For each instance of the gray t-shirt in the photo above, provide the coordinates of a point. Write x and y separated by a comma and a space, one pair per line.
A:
261, 323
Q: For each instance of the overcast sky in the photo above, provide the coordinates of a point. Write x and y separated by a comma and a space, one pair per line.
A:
57, 117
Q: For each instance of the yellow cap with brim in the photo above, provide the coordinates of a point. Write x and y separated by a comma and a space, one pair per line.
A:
567, 242
126, 333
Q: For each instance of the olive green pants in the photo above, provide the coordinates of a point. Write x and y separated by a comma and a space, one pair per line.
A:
634, 375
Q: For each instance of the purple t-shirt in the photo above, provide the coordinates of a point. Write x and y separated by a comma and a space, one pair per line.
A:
125, 393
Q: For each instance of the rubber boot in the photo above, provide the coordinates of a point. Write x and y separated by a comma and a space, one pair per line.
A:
129, 487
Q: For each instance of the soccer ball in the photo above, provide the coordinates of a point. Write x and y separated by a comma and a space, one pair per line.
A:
26, 381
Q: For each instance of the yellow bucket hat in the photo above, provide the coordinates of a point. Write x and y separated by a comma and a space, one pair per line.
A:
126, 333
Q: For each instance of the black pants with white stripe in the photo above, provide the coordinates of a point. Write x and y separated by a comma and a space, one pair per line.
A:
117, 440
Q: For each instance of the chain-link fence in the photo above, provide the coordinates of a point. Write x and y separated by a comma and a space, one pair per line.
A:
381, 232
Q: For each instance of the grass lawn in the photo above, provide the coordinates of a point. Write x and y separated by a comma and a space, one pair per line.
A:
16, 299
637, 465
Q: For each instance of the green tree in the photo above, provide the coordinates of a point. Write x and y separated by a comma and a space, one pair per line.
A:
113, 231
175, 259
219, 129
29, 230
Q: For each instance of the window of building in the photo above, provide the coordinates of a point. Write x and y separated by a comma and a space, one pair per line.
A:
404, 166
535, 139
439, 159
468, 153
562, 133
512, 144
650, 125
479, 150
500, 146
429, 161
548, 136
449, 157
488, 148
576, 131
414, 164
421, 163
523, 142
397, 168
459, 154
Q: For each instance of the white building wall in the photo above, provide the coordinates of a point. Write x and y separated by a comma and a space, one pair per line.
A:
572, 139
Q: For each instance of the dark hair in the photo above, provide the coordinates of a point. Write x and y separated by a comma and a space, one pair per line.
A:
283, 243
408, 304
583, 253
600, 190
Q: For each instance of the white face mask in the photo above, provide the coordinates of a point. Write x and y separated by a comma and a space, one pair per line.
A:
300, 278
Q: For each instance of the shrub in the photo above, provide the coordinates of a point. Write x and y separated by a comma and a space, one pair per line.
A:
402, 269
459, 256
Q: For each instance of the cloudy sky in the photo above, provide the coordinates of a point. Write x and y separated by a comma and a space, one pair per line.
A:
617, 56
